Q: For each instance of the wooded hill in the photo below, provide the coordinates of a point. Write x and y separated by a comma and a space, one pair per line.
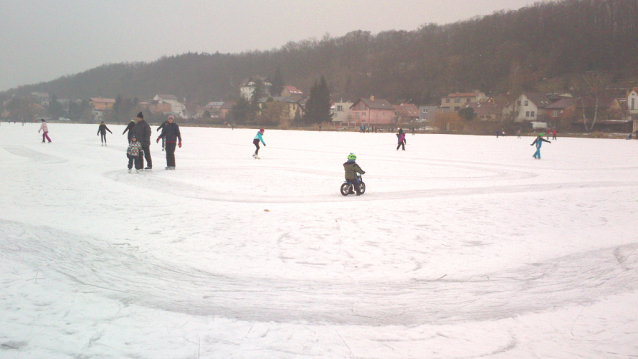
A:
545, 47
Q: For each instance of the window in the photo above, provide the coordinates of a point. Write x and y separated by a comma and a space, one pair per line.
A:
633, 103
526, 102
467, 100
457, 100
554, 113
340, 108
532, 113
447, 100
526, 113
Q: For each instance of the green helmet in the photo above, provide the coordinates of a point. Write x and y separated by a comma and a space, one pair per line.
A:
352, 156
541, 134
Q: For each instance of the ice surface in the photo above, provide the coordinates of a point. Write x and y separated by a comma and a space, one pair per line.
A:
462, 247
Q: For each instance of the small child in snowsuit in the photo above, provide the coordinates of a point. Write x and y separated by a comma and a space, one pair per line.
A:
538, 142
134, 154
352, 168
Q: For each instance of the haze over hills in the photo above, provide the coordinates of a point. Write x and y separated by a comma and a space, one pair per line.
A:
545, 46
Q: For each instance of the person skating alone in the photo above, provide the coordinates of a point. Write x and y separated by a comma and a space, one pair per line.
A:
129, 128
258, 137
45, 131
101, 131
142, 131
401, 139
170, 134
161, 127
554, 133
133, 152
352, 168
538, 142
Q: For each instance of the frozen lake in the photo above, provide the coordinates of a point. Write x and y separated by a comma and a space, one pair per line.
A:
462, 247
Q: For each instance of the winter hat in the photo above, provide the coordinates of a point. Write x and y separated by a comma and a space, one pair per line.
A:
261, 130
171, 117
42, 120
140, 115
133, 137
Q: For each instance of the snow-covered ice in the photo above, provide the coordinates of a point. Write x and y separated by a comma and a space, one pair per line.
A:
462, 247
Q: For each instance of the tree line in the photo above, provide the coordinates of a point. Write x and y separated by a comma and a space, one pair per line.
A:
546, 46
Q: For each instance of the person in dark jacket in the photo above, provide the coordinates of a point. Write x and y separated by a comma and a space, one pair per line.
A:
129, 128
539, 142
170, 135
401, 139
352, 168
102, 131
161, 127
142, 131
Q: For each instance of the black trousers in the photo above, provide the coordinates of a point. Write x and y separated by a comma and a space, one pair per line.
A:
147, 156
256, 143
356, 185
138, 162
401, 144
103, 137
170, 154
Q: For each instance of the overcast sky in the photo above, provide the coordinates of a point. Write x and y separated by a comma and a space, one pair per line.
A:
44, 39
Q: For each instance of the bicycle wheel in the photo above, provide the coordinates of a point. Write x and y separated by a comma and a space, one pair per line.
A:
362, 187
345, 189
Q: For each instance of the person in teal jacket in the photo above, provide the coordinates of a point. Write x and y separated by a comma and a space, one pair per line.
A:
258, 138
538, 142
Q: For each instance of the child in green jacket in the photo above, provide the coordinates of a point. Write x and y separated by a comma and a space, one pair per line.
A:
352, 168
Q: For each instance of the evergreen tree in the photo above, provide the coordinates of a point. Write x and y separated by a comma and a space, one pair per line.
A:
55, 109
258, 93
277, 84
318, 105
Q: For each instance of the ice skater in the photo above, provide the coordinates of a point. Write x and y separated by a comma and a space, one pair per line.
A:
161, 127
45, 131
401, 139
129, 128
133, 152
554, 133
142, 131
538, 142
170, 134
352, 168
258, 137
101, 131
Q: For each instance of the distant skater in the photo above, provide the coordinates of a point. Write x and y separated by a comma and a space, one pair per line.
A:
401, 139
129, 128
539, 142
170, 135
518, 133
554, 133
142, 131
258, 137
102, 132
161, 127
45, 131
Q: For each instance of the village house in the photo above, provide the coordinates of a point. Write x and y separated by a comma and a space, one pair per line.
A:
292, 92
561, 110
490, 110
176, 108
531, 106
293, 110
455, 101
102, 104
427, 113
406, 113
158, 106
225, 109
214, 108
632, 101
249, 85
41, 98
372, 112
341, 111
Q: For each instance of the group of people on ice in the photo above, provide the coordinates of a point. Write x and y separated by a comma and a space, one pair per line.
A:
139, 137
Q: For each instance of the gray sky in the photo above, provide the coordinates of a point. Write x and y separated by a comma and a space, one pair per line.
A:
44, 39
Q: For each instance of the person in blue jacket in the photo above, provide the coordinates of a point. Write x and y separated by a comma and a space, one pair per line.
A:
258, 138
538, 142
